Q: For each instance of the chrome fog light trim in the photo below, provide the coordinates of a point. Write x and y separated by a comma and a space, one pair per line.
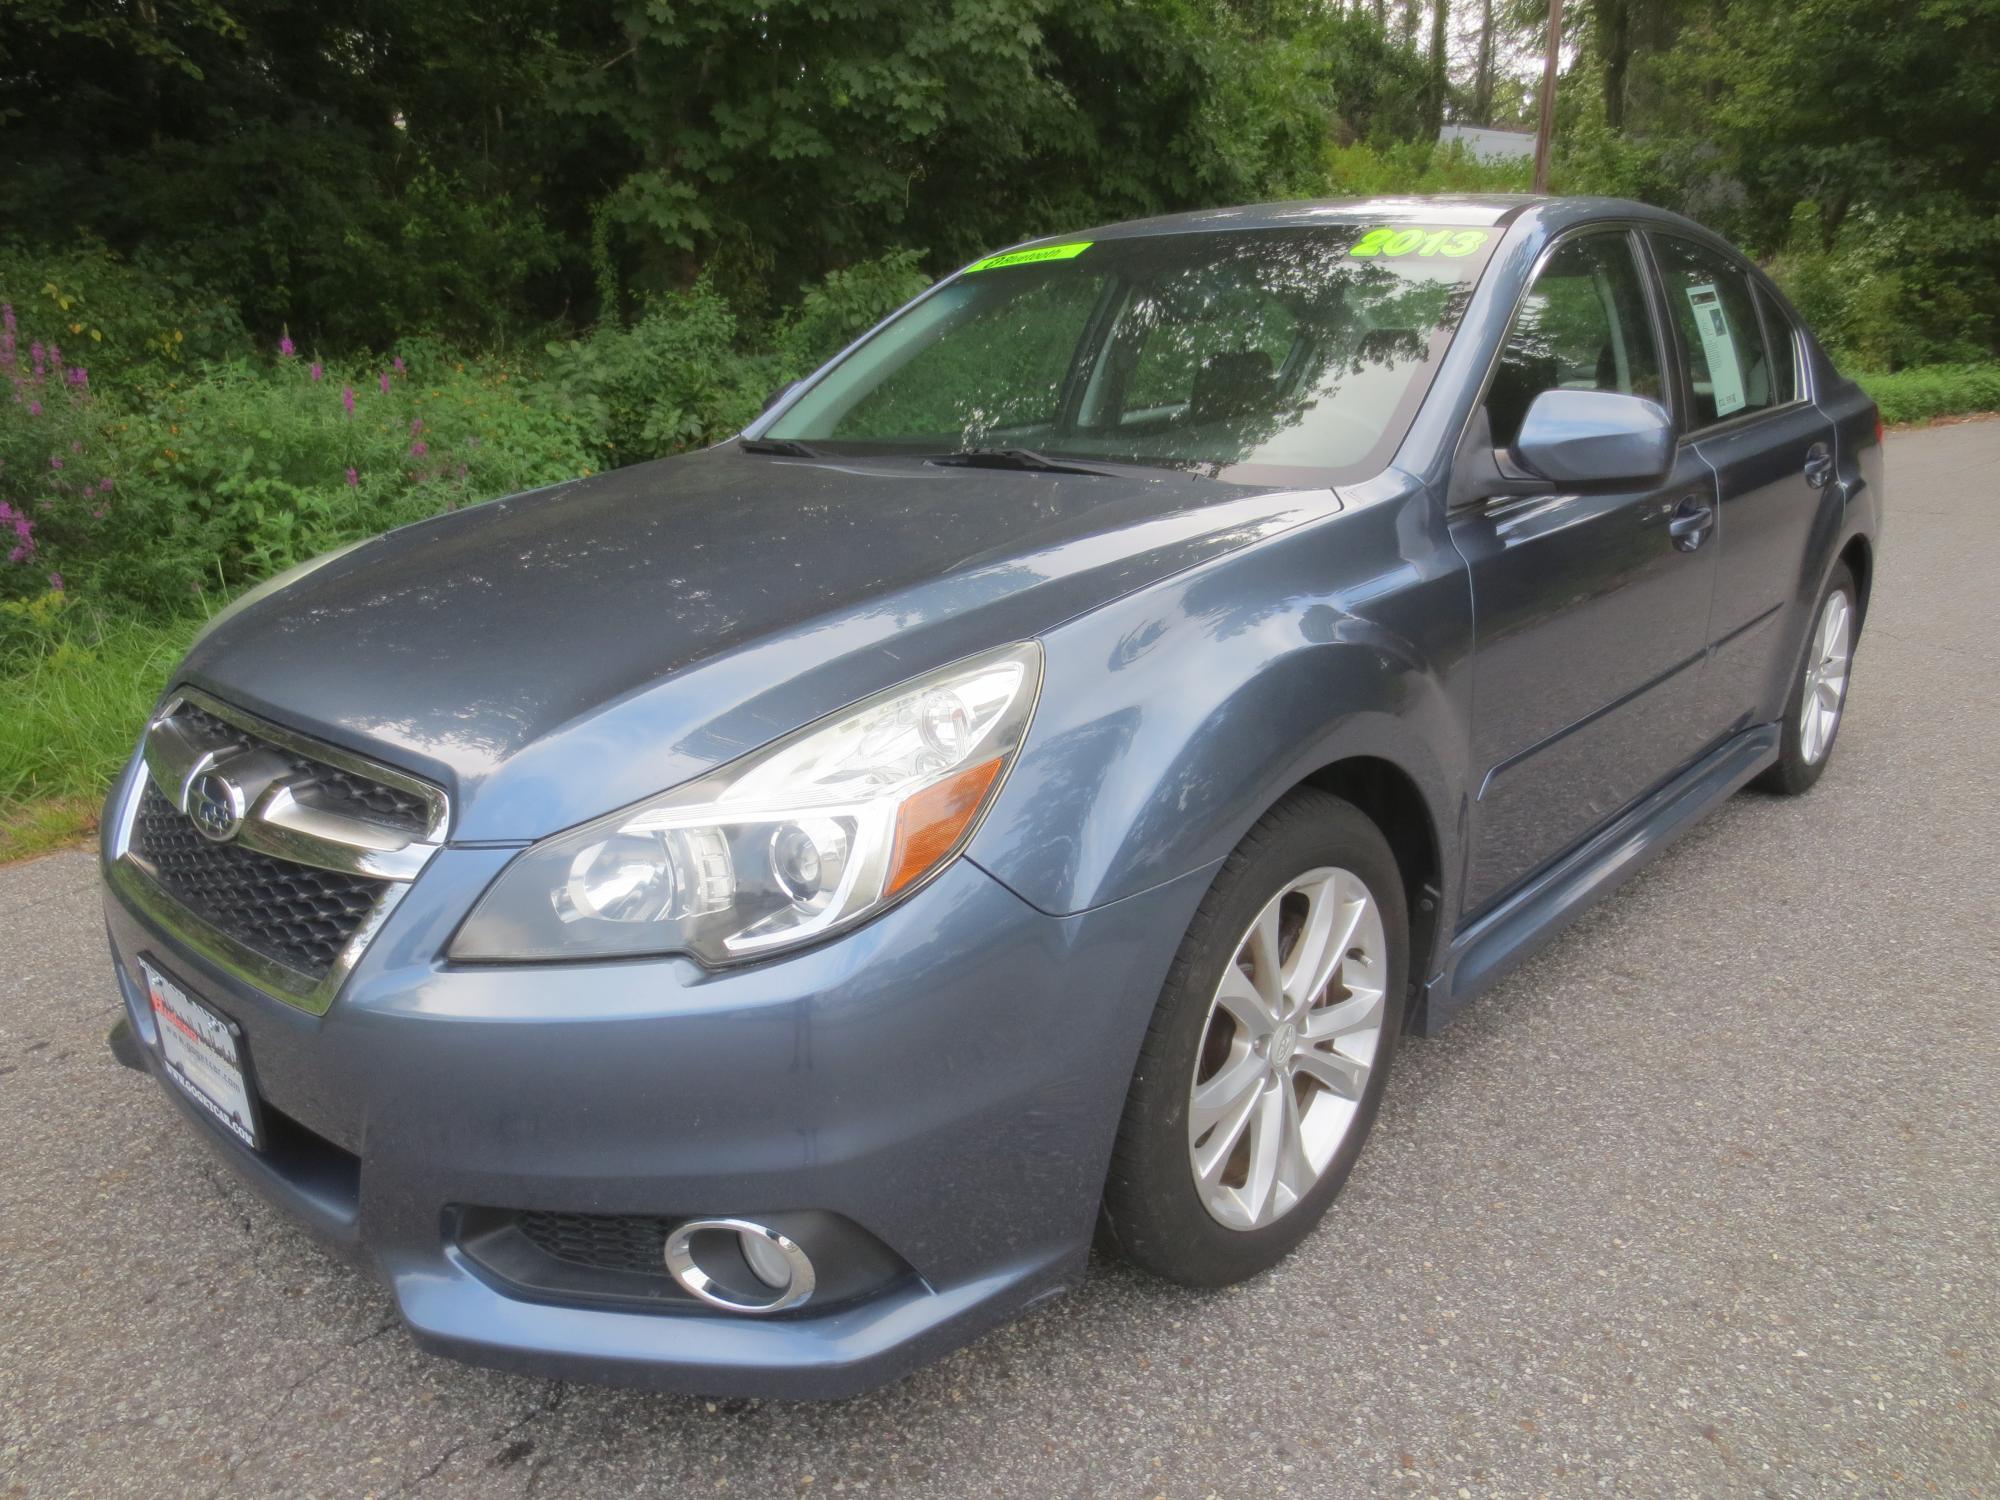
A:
764, 1255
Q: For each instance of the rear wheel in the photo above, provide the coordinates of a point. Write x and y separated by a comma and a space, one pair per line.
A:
1266, 1058
1819, 692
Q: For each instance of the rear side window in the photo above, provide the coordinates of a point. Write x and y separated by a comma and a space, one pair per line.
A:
1583, 326
1728, 364
1784, 348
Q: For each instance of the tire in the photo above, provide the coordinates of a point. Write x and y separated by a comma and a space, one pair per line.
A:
1805, 749
1155, 1213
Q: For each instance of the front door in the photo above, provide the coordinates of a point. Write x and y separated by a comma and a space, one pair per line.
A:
1590, 610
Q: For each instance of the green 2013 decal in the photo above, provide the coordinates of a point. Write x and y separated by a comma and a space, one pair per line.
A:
1390, 242
1029, 257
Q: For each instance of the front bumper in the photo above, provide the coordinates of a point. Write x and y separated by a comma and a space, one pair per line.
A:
948, 1078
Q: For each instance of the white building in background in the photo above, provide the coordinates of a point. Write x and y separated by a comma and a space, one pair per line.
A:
1491, 145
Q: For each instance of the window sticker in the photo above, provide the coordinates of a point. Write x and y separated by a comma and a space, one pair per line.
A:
1725, 373
1030, 257
1392, 242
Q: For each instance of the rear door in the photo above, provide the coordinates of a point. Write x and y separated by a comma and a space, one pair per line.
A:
1590, 613
1753, 421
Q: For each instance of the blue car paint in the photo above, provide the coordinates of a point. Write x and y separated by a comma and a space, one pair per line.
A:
949, 1076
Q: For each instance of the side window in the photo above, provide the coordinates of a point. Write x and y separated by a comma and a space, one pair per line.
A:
1728, 364
1583, 326
1784, 344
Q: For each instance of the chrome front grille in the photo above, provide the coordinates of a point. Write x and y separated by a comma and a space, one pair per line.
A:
273, 855
289, 913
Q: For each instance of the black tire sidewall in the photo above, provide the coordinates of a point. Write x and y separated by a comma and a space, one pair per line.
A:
1153, 1212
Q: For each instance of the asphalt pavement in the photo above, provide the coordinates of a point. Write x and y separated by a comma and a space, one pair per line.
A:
1703, 1201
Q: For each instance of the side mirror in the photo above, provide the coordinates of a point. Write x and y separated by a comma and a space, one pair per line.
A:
1595, 437
778, 395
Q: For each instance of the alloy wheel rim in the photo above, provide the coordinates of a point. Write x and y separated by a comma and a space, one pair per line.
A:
1826, 677
1290, 1040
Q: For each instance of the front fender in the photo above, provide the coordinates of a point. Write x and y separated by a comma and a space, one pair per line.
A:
1173, 718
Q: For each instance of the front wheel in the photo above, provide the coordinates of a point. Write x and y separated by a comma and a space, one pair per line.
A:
1819, 692
1267, 1055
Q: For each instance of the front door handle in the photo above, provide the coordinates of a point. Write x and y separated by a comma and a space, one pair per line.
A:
1693, 519
1819, 466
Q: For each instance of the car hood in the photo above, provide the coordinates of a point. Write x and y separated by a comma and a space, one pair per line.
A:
552, 656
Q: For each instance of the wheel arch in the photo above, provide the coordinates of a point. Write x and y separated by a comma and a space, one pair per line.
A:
1859, 556
1390, 798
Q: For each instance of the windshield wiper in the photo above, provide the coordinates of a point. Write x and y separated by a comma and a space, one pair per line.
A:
1014, 458
783, 447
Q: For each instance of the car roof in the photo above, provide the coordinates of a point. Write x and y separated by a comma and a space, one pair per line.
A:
1467, 209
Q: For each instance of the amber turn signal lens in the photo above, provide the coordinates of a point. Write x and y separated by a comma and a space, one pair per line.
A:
931, 823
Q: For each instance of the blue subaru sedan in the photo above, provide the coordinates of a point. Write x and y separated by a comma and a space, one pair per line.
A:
748, 923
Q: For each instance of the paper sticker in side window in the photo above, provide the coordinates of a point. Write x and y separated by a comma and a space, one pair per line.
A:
1725, 371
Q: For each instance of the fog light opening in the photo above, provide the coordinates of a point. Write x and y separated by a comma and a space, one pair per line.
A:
739, 1266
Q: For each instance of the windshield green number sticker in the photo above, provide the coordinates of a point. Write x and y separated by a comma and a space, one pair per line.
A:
1031, 257
1388, 243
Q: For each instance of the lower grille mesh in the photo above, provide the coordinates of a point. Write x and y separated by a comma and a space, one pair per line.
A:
294, 914
608, 1242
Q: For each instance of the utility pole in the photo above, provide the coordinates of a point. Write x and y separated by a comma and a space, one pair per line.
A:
1547, 128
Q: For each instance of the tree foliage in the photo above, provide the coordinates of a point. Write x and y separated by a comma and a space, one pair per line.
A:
350, 170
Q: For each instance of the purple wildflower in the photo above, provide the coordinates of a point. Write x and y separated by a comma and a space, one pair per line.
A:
54, 462
353, 479
80, 377
55, 582
23, 529
34, 408
286, 348
419, 448
317, 372
104, 484
416, 425
401, 368
385, 382
347, 398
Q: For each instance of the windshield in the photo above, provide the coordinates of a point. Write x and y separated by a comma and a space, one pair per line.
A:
1260, 355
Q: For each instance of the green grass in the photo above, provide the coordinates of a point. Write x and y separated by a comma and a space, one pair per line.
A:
1930, 391
75, 689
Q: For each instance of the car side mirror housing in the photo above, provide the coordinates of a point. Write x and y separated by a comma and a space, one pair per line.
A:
1595, 437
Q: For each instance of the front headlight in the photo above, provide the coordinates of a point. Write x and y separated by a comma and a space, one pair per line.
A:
802, 838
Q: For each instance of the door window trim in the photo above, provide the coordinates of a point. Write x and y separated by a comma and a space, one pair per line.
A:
1684, 377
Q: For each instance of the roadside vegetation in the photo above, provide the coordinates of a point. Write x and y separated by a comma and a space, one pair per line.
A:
276, 277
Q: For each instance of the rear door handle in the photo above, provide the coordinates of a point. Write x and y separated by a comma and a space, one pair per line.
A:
1693, 519
1819, 466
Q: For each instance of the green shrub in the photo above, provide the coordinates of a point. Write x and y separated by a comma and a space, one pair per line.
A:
232, 470
132, 326
1886, 292
1918, 395
846, 304
1366, 169
678, 378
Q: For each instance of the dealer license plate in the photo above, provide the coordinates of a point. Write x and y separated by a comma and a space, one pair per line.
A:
204, 1055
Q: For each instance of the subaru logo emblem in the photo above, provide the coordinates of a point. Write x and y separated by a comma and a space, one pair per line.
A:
215, 806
